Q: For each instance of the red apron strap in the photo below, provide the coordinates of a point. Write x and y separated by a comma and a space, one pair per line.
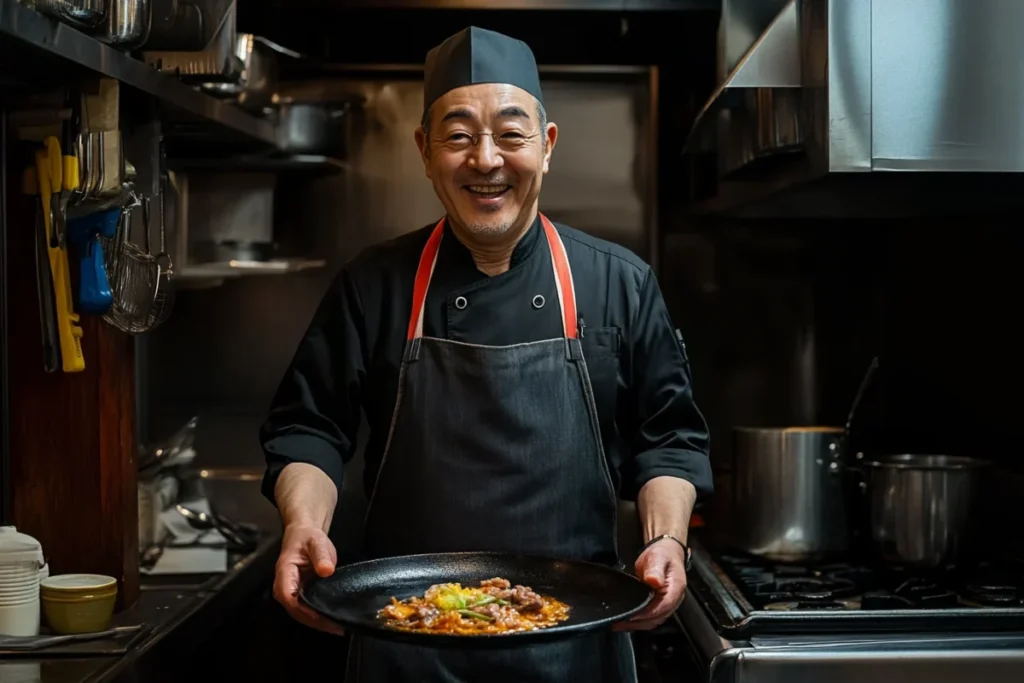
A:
563, 278
559, 263
428, 259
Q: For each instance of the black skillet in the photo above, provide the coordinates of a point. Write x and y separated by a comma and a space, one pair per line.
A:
597, 596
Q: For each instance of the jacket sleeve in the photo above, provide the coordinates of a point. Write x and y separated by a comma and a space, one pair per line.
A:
669, 434
315, 414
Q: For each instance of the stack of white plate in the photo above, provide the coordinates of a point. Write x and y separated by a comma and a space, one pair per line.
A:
19, 583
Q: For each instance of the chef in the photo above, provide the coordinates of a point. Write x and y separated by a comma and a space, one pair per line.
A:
518, 377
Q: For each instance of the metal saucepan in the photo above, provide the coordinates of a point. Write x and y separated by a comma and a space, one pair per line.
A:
597, 596
260, 74
918, 506
788, 497
790, 500
313, 127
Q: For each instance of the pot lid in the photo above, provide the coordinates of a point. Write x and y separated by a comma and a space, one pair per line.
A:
18, 547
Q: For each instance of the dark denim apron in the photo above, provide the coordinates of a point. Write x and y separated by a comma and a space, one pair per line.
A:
494, 448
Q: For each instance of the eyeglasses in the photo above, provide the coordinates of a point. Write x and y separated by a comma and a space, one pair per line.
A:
507, 142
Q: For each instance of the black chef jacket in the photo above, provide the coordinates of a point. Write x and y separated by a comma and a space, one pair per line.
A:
350, 356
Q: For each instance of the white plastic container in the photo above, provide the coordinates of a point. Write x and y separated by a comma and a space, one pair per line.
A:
21, 559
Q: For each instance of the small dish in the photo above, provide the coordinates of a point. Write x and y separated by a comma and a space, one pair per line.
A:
78, 603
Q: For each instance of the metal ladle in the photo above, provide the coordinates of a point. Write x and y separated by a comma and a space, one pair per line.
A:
201, 521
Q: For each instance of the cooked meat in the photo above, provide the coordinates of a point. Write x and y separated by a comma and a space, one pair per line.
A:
496, 606
525, 599
427, 614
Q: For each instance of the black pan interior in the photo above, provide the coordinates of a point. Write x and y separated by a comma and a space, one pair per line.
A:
598, 596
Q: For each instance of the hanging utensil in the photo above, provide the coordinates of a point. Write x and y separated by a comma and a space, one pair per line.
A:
44, 281
133, 274
860, 394
163, 301
54, 182
94, 295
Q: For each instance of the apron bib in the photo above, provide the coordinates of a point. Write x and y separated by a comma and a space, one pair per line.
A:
494, 448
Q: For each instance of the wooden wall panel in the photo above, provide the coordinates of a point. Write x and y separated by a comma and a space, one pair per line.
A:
72, 437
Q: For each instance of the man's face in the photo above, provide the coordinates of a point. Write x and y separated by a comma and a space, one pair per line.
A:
486, 152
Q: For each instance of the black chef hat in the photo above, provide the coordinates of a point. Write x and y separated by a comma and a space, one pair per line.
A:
476, 55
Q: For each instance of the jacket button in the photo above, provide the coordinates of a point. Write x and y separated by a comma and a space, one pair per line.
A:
538, 301
461, 303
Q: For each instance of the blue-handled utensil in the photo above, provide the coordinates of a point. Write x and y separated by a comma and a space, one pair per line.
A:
94, 295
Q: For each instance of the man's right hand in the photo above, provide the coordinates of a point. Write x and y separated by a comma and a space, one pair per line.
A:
305, 550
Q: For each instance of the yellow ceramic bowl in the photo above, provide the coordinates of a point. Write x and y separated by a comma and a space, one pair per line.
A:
78, 603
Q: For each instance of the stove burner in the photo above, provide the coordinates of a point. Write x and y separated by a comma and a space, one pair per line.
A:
926, 594
809, 588
882, 600
789, 583
993, 595
841, 585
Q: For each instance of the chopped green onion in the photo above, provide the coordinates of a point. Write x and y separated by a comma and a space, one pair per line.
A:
475, 615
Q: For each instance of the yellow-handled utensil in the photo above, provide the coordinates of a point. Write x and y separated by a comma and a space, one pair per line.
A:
53, 184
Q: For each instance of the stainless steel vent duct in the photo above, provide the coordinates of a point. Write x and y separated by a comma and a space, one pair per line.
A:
833, 89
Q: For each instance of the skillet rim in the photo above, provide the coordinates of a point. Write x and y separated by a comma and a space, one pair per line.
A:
552, 633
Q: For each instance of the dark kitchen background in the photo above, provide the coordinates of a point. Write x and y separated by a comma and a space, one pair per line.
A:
781, 316
783, 299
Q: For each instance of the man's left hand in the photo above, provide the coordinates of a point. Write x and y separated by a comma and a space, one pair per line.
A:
662, 567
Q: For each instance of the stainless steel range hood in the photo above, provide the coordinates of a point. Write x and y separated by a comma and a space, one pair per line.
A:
865, 107
555, 5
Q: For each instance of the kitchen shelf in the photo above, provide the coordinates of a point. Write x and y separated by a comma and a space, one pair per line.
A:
72, 48
203, 275
298, 163
588, 5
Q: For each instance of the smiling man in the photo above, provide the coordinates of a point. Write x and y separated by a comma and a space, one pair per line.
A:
518, 377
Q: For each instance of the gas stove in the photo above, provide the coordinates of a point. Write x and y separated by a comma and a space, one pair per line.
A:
747, 618
756, 596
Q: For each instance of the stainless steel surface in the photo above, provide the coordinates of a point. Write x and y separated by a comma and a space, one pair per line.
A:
742, 30
723, 637
19, 23
84, 14
938, 102
919, 506
788, 492
258, 79
225, 208
938, 659
128, 23
229, 207
884, 85
591, 5
217, 59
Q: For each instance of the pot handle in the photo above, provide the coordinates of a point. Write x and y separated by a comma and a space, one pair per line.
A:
858, 472
835, 457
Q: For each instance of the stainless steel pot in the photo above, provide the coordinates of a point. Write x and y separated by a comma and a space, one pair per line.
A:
313, 127
128, 23
918, 506
85, 14
788, 498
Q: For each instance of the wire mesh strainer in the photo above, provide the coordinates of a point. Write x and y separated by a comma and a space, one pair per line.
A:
133, 272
